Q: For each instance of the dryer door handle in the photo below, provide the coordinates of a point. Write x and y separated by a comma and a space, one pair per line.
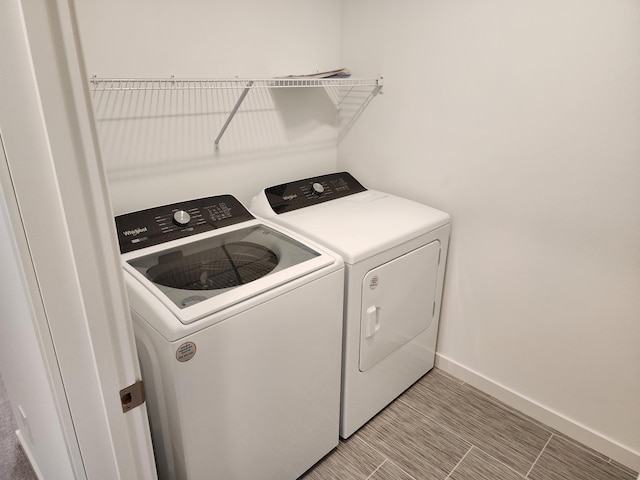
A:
372, 321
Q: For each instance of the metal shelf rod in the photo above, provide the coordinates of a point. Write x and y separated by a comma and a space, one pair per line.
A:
233, 113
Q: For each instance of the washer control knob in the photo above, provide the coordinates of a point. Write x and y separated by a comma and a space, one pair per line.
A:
317, 188
181, 218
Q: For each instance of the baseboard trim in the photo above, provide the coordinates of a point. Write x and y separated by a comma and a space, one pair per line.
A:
553, 419
29, 455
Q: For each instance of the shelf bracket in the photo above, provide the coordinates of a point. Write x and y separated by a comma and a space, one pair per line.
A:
377, 89
233, 112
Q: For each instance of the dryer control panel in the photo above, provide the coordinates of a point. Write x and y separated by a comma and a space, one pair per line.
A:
169, 222
311, 191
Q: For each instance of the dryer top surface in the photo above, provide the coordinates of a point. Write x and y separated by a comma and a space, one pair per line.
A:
360, 225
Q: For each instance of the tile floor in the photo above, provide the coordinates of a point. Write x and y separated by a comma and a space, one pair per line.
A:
439, 429
443, 429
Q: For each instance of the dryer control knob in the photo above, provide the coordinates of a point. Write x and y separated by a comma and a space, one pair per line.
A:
317, 188
181, 218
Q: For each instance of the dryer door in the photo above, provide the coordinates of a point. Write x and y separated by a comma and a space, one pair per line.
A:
398, 301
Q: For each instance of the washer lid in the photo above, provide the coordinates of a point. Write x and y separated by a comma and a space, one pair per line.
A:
205, 273
360, 225
213, 269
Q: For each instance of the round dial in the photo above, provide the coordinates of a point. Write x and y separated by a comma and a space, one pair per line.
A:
181, 218
317, 188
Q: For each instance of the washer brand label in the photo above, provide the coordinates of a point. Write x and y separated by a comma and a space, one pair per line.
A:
290, 197
374, 282
134, 232
186, 352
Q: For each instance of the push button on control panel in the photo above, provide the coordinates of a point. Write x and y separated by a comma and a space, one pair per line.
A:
317, 188
181, 218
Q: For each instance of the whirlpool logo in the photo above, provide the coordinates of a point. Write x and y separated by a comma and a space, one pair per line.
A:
290, 197
134, 232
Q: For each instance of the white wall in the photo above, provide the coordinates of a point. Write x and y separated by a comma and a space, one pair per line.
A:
158, 146
522, 120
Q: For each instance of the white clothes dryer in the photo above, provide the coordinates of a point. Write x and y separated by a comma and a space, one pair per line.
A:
395, 252
238, 325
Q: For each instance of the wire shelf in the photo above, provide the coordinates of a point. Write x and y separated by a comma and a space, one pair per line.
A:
122, 84
338, 88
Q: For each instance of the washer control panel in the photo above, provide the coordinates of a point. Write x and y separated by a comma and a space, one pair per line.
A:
311, 191
169, 222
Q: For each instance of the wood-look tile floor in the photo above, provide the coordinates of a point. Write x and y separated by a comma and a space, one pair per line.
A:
443, 429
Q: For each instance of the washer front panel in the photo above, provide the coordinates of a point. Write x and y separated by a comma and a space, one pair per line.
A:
258, 396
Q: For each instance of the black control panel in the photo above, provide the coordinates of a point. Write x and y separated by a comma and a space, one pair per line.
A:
169, 222
311, 191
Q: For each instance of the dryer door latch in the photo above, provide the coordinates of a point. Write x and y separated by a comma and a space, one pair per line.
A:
132, 396
373, 321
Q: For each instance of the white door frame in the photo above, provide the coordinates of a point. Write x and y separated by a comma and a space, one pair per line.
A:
66, 216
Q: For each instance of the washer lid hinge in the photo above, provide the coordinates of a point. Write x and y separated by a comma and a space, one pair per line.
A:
132, 396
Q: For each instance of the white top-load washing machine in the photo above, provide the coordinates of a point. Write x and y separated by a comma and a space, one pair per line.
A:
238, 326
394, 251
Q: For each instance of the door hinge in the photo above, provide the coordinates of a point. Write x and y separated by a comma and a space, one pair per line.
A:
132, 396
